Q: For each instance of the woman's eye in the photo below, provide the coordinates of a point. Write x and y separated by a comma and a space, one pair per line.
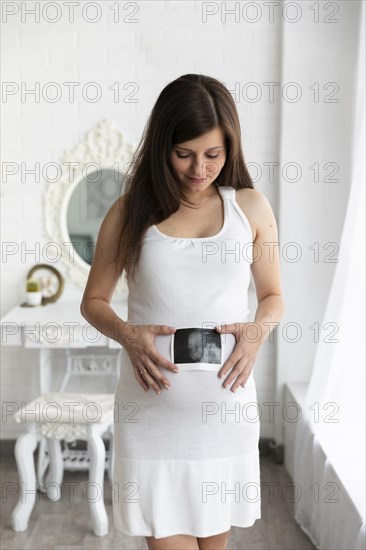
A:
186, 156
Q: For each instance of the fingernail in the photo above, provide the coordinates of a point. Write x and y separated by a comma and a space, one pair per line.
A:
167, 387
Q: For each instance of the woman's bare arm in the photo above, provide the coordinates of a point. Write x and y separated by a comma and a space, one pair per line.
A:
104, 274
266, 265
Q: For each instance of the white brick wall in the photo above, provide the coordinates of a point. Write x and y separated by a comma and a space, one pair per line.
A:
168, 40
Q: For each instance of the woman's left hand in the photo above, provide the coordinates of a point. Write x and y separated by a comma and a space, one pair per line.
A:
249, 338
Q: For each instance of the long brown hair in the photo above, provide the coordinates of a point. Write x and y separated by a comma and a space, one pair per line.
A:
187, 107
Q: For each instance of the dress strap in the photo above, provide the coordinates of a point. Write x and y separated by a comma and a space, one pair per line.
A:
227, 192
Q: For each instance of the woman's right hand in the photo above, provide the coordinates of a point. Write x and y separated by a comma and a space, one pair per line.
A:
139, 342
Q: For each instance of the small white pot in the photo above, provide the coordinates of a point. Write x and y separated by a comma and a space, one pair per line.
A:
34, 298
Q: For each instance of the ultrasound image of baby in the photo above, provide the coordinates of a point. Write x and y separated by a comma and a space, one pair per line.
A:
196, 345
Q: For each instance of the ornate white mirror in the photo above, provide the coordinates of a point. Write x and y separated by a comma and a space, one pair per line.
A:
91, 178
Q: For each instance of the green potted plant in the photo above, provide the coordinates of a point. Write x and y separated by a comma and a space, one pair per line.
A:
33, 293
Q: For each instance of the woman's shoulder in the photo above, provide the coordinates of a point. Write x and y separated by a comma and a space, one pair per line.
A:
114, 217
119, 202
252, 196
255, 206
118, 206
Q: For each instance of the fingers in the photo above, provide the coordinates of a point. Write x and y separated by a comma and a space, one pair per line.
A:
150, 380
145, 359
140, 379
151, 376
239, 375
165, 329
234, 359
163, 362
155, 355
233, 327
145, 379
156, 375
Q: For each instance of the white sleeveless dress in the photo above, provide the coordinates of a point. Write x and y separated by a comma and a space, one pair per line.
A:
187, 461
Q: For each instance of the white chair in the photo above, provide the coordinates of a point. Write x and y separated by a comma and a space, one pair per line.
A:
67, 416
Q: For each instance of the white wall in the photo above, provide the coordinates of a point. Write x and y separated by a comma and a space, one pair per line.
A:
313, 211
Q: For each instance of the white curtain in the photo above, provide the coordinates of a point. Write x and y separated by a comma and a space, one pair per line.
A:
329, 470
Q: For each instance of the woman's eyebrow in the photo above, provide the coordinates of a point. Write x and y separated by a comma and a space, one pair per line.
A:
210, 149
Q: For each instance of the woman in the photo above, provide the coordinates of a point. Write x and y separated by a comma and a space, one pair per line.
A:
186, 457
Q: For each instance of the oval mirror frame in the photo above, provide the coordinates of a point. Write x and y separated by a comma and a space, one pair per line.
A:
104, 147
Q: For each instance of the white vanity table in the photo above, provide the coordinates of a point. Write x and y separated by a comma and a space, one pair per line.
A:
54, 326
58, 325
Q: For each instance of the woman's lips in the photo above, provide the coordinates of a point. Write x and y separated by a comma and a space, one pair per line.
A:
196, 180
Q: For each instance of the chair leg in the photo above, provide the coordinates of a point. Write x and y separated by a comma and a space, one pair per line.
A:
56, 469
24, 448
42, 463
111, 457
96, 450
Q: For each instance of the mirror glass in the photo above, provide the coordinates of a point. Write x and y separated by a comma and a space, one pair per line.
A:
88, 205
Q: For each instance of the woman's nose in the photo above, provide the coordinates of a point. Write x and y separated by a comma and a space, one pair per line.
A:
198, 168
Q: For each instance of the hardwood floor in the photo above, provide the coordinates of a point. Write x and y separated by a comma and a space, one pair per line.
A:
66, 524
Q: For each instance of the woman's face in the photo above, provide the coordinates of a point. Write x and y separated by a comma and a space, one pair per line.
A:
198, 162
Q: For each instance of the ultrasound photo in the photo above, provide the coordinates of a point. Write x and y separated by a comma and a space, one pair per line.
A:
196, 345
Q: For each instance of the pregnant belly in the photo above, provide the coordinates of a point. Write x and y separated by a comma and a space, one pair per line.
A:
191, 420
190, 387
